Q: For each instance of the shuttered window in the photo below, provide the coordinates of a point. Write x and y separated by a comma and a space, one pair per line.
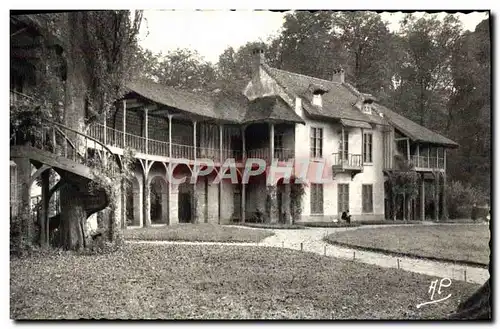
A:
367, 196
316, 199
368, 147
343, 197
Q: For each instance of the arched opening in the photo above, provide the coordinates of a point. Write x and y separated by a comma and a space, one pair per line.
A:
185, 203
159, 200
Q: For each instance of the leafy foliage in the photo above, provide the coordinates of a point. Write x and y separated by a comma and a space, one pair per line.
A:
297, 191
461, 198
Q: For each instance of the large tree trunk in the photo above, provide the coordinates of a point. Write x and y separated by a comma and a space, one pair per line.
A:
73, 214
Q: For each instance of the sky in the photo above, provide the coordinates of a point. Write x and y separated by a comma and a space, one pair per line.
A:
210, 32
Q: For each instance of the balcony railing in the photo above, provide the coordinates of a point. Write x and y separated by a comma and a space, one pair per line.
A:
425, 162
260, 153
283, 154
113, 137
347, 161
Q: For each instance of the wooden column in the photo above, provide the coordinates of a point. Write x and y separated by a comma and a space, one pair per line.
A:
271, 142
146, 135
124, 123
444, 212
428, 156
194, 140
104, 129
418, 156
422, 197
221, 128
408, 149
147, 198
44, 213
437, 157
170, 137
341, 155
243, 184
436, 195
444, 160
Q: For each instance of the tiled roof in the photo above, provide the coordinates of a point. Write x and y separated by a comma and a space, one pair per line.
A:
338, 103
413, 130
227, 106
271, 108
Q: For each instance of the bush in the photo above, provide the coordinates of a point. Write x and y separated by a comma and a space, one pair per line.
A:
461, 198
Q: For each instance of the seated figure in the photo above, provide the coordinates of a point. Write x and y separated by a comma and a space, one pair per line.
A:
346, 216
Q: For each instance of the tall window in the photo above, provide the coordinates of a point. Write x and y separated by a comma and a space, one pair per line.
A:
367, 147
316, 199
343, 197
344, 144
367, 196
316, 142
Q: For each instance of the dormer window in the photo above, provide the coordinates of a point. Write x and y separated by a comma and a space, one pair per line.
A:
367, 108
317, 99
317, 91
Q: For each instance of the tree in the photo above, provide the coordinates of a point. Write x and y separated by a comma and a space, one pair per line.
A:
469, 108
369, 46
83, 76
425, 82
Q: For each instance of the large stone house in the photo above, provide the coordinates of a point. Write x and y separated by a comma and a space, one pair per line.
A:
347, 141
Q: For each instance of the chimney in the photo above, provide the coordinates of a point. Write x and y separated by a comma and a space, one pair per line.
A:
339, 75
258, 58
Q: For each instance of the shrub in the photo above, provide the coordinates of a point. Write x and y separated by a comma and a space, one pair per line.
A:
461, 198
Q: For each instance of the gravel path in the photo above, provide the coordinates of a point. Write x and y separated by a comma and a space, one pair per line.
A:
311, 240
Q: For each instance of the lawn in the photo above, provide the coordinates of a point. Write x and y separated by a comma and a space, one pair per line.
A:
218, 282
467, 243
196, 232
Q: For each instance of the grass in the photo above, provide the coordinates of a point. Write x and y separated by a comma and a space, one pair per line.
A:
462, 243
196, 232
274, 226
218, 282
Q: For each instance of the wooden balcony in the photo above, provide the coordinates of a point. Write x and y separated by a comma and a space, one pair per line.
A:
347, 163
428, 163
116, 138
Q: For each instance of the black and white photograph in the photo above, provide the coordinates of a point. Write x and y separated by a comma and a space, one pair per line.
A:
250, 164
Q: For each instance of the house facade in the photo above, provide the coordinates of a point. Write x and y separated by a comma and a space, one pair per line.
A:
338, 140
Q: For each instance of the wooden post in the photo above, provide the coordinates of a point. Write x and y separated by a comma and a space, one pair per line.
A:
428, 156
44, 216
271, 142
194, 139
170, 138
243, 184
444, 160
104, 132
146, 128
124, 123
444, 211
418, 156
437, 157
436, 195
422, 197
408, 149
221, 128
342, 146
